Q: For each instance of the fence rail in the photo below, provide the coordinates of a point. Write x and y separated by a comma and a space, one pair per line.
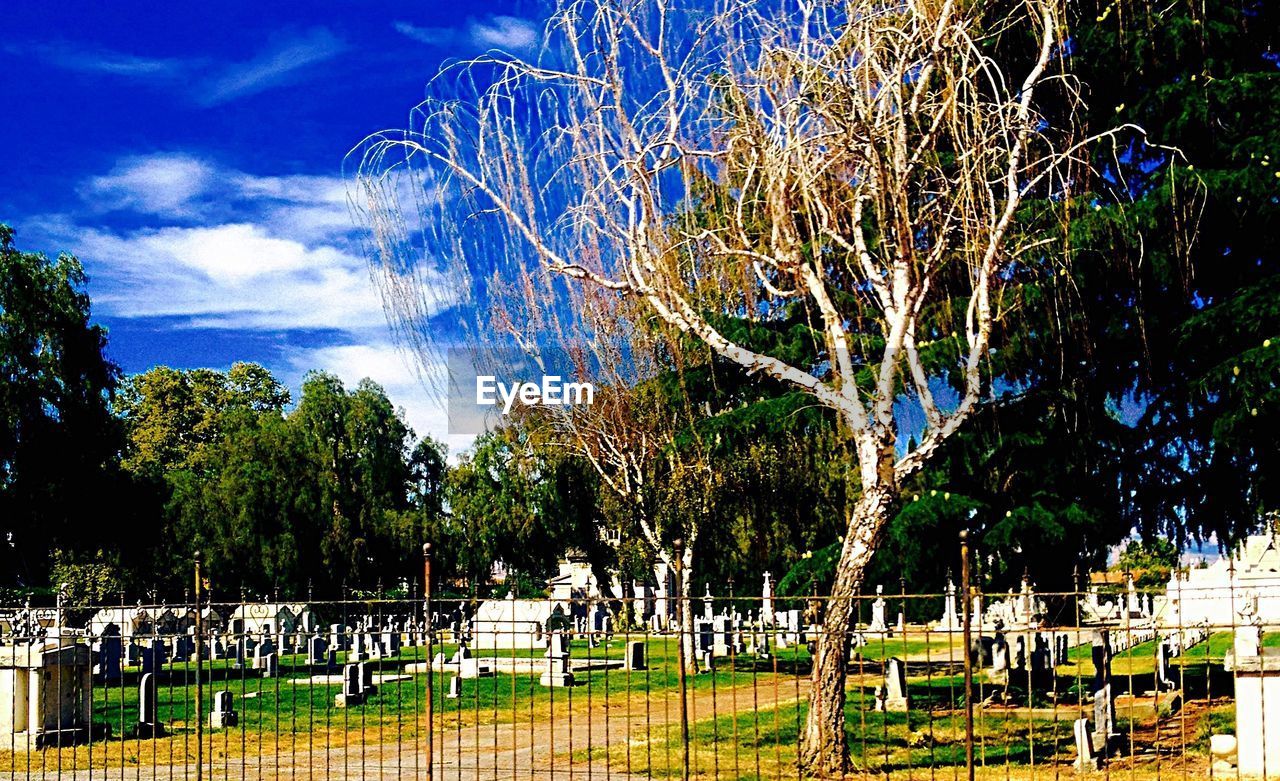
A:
1140, 684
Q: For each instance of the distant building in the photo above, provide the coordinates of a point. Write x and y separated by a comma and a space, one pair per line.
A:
1248, 581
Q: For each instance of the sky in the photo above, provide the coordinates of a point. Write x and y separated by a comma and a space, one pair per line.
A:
191, 155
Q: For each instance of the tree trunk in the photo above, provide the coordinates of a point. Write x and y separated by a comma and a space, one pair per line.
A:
824, 752
685, 612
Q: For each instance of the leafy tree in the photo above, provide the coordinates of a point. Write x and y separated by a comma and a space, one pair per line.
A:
57, 437
1177, 323
172, 415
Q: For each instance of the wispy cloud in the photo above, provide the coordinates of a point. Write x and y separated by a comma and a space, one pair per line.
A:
508, 33
86, 59
279, 64
282, 61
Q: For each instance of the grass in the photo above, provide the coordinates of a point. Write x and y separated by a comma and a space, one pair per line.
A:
749, 734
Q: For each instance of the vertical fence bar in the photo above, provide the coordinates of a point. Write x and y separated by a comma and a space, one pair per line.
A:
967, 600
426, 617
682, 608
199, 651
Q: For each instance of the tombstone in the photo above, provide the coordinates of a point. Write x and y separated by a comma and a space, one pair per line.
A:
766, 598
902, 622
224, 713
351, 693
1062, 649
635, 659
359, 648
44, 695
270, 665
317, 650
153, 656
367, 687
1086, 757
878, 621
895, 697
999, 672
1019, 661
455, 688
720, 636
241, 652
110, 649
1164, 671
1041, 657
391, 642
950, 620
149, 724
1104, 712
762, 646
706, 658
557, 672
980, 652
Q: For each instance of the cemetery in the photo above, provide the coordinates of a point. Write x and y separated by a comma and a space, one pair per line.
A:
925, 360
1136, 691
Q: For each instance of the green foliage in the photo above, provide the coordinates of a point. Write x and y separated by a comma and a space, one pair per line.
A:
84, 581
57, 438
512, 502
327, 496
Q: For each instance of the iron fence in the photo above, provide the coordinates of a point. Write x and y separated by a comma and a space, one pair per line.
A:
1133, 683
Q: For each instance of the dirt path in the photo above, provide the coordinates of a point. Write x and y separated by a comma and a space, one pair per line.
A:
576, 741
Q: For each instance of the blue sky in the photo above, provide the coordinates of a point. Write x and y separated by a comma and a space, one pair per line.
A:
191, 156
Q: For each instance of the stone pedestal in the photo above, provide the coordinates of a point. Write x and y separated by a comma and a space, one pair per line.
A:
1258, 714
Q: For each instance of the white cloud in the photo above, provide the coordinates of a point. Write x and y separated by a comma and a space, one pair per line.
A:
230, 276
226, 248
158, 184
505, 32
222, 248
508, 33
276, 65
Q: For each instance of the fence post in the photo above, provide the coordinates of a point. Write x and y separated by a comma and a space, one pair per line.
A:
967, 607
426, 622
199, 649
677, 546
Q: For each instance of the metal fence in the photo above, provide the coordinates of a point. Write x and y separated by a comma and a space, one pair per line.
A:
1132, 683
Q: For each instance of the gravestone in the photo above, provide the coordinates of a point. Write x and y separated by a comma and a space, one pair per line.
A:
706, 657
110, 649
270, 665
455, 688
636, 652
895, 686
1086, 757
153, 656
1104, 713
878, 622
351, 693
149, 724
367, 687
557, 671
317, 650
1164, 671
224, 713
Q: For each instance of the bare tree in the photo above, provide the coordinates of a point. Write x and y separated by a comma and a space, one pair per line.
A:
864, 161
631, 434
